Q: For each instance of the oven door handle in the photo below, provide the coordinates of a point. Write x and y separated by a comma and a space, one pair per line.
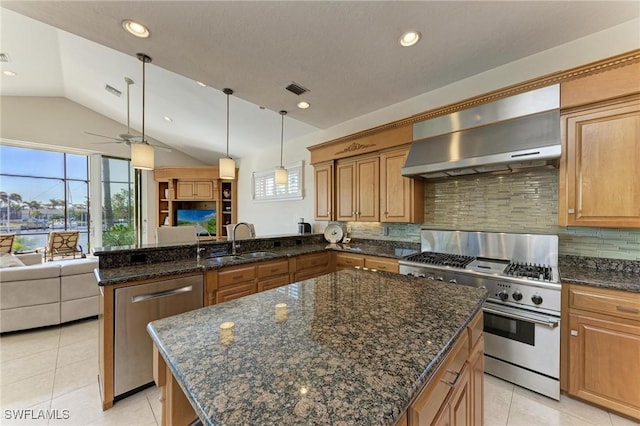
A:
524, 317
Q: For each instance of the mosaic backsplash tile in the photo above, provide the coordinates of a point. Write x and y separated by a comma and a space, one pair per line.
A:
520, 202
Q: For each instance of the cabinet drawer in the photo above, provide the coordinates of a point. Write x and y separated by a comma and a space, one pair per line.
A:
310, 273
610, 302
312, 261
346, 260
235, 292
381, 264
269, 283
270, 269
236, 275
427, 405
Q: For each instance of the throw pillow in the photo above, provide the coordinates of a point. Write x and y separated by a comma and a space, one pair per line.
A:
8, 260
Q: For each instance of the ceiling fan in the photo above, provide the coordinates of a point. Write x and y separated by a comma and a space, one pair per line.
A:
127, 138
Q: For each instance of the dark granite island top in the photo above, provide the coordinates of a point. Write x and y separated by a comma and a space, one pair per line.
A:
353, 347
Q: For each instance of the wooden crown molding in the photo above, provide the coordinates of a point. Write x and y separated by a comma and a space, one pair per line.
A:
597, 67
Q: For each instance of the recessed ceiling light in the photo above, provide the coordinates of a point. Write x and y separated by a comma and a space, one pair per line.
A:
303, 105
168, 119
136, 28
201, 84
409, 38
9, 73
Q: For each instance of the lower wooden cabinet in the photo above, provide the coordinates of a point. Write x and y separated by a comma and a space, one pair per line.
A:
272, 274
351, 260
309, 266
235, 291
604, 348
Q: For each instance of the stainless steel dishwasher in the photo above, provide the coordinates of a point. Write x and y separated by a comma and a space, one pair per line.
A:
136, 306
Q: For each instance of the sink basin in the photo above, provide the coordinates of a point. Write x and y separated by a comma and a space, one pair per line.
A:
222, 259
258, 255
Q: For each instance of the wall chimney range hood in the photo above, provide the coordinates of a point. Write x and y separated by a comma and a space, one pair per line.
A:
508, 135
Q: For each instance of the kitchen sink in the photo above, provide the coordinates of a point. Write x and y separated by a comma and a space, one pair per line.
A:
258, 255
223, 259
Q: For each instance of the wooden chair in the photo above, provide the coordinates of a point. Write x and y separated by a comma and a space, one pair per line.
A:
6, 242
63, 243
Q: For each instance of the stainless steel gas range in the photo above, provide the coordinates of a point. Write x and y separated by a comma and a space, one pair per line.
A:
522, 312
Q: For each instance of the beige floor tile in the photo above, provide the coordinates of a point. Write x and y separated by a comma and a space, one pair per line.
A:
576, 408
75, 376
37, 415
77, 352
622, 421
78, 332
497, 400
153, 396
526, 411
134, 411
24, 343
30, 365
83, 405
28, 392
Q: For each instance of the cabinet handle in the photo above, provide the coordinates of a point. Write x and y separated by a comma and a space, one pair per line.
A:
273, 270
628, 309
237, 277
455, 381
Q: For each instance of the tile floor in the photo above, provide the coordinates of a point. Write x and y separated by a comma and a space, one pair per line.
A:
55, 371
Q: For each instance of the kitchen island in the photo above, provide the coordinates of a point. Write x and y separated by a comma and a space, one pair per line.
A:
350, 347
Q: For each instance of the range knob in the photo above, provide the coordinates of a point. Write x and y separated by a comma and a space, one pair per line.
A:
503, 295
537, 299
517, 296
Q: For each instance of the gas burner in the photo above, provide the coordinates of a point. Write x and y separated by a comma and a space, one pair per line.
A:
441, 259
529, 270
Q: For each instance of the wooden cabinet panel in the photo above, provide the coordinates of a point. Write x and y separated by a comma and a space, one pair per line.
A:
599, 184
476, 382
235, 291
194, 190
613, 83
323, 174
270, 269
358, 190
348, 260
275, 282
346, 191
605, 301
381, 264
401, 198
233, 275
604, 366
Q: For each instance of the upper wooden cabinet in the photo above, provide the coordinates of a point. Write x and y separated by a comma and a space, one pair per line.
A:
621, 81
196, 190
358, 190
323, 185
401, 198
600, 168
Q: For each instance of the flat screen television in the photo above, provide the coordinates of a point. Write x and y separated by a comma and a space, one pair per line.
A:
203, 220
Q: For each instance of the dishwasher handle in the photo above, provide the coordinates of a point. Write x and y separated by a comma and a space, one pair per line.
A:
151, 296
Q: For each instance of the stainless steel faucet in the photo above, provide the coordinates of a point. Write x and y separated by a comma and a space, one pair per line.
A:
233, 235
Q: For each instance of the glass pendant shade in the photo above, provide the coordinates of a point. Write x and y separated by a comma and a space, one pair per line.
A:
227, 168
142, 156
282, 176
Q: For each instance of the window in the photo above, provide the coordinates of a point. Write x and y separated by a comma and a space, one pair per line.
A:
41, 191
265, 188
117, 203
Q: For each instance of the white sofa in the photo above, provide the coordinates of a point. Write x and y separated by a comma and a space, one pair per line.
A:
40, 294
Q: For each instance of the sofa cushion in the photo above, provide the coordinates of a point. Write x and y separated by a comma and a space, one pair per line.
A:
76, 266
29, 317
31, 292
71, 310
8, 260
25, 273
31, 258
78, 286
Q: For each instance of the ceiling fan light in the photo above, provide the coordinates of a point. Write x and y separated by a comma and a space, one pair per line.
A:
227, 168
282, 176
142, 156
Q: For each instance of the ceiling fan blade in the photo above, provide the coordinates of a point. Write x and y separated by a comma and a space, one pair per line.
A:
106, 137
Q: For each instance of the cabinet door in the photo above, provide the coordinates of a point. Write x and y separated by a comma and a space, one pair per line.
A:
381, 264
346, 191
235, 292
368, 190
401, 198
600, 184
274, 282
194, 190
604, 363
348, 260
324, 191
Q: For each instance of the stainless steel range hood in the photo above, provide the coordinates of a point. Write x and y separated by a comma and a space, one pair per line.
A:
510, 134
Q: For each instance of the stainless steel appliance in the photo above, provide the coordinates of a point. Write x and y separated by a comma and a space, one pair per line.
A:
136, 306
522, 312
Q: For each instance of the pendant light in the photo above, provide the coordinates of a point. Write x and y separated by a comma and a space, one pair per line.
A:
227, 167
142, 153
282, 176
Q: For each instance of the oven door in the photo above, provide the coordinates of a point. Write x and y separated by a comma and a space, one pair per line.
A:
523, 338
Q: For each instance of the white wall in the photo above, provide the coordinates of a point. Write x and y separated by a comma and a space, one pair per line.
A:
281, 217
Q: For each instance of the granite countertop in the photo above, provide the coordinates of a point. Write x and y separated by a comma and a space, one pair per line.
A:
354, 347
123, 274
615, 274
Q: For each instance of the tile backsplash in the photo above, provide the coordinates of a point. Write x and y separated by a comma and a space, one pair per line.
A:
519, 202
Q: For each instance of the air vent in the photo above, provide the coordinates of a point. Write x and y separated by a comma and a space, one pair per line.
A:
296, 88
112, 90
4, 57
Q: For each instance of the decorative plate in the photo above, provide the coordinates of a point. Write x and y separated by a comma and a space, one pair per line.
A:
226, 193
333, 233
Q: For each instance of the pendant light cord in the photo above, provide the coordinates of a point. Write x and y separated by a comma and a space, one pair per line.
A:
227, 92
282, 114
145, 59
